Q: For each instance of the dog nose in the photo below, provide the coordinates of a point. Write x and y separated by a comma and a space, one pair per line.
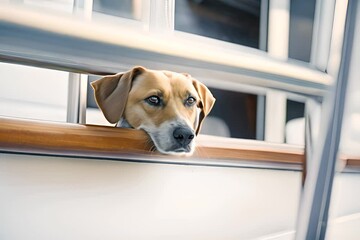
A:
184, 136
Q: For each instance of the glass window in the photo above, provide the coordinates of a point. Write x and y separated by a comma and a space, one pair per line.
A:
301, 29
295, 123
233, 115
227, 20
239, 22
126, 8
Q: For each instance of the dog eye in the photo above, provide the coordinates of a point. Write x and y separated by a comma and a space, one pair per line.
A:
190, 101
153, 100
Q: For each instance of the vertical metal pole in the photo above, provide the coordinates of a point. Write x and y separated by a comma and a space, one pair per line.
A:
337, 38
278, 47
278, 33
77, 88
275, 116
77, 98
83, 98
313, 213
73, 98
162, 16
137, 9
312, 125
322, 31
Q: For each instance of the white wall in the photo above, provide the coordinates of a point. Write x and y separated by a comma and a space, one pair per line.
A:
65, 198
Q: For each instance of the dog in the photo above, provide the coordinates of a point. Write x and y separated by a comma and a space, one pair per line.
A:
170, 107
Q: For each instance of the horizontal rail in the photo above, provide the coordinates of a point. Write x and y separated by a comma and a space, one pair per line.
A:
66, 42
64, 139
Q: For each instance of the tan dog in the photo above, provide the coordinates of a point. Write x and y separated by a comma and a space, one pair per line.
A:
169, 106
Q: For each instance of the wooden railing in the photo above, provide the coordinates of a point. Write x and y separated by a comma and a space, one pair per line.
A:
39, 137
64, 139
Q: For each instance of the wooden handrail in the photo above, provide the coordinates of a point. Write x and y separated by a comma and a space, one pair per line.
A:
29, 136
64, 139
352, 162
71, 139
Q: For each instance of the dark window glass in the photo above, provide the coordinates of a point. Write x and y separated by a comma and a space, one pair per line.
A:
235, 21
294, 110
123, 8
301, 29
237, 111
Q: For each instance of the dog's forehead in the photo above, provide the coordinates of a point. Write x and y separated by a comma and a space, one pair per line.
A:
165, 80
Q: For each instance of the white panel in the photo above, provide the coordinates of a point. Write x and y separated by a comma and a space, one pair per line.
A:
344, 218
64, 198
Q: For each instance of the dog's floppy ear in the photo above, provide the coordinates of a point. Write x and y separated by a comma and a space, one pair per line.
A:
206, 103
111, 93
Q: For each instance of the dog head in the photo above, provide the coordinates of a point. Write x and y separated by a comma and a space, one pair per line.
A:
169, 106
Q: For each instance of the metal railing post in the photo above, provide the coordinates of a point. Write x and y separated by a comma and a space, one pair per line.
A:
314, 209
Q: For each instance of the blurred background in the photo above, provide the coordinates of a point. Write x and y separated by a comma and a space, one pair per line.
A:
271, 64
